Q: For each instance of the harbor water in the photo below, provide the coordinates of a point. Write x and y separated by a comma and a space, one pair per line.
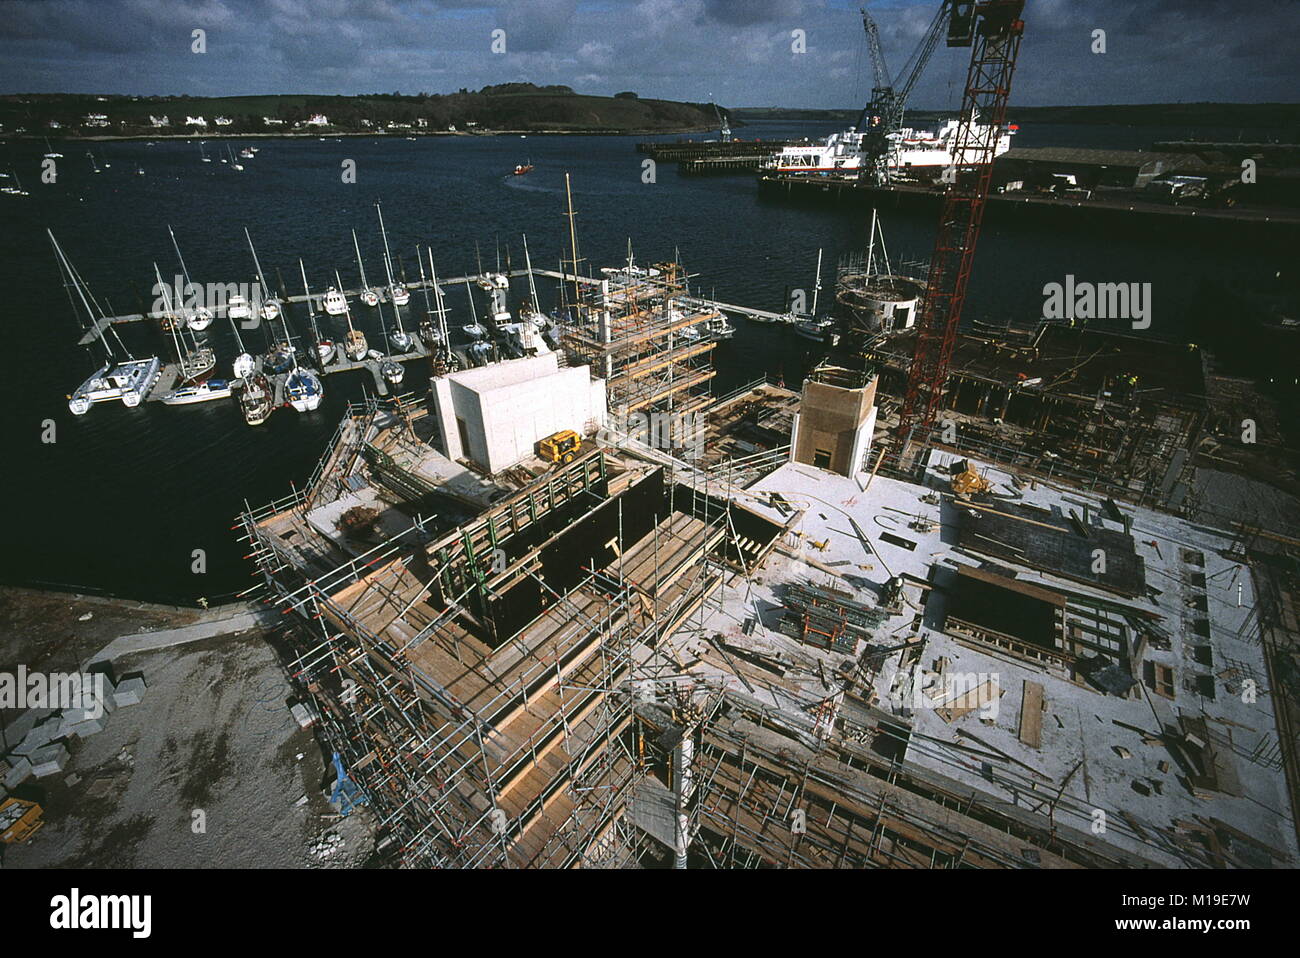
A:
133, 501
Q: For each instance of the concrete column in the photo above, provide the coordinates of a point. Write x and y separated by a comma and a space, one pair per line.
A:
683, 778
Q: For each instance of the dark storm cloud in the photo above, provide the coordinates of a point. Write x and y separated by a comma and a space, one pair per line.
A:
737, 52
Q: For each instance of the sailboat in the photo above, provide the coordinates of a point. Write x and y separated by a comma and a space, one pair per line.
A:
391, 371
195, 361
94, 167
203, 154
821, 330
233, 163
355, 346
368, 295
199, 318
255, 399
51, 154
324, 347
128, 380
397, 295
270, 307
473, 330
430, 331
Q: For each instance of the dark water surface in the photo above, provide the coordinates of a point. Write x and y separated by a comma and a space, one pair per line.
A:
123, 497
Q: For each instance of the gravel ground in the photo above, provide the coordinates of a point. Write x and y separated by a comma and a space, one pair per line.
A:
209, 770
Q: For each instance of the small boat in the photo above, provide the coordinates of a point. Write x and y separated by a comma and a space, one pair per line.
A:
255, 400
94, 167
392, 372
237, 307
246, 153
336, 303
818, 330
204, 391
325, 352
304, 390
354, 347
52, 154
399, 295
401, 340
474, 331
719, 328
324, 347
244, 365
280, 358
234, 165
203, 154
270, 310
199, 319
196, 364
523, 168
433, 324
139, 171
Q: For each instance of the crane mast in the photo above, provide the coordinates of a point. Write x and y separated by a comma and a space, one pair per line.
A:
883, 114
993, 29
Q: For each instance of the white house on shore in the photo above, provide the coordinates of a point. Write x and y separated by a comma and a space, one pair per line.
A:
159, 121
317, 119
196, 121
223, 121
272, 121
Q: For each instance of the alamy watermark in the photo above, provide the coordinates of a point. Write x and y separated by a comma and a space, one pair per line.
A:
53, 690
1085, 300
678, 434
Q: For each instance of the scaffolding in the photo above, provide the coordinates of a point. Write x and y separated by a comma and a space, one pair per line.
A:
638, 330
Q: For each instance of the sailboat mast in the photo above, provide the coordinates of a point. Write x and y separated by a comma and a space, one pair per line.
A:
167, 302
261, 279
573, 244
817, 286
360, 265
532, 287
347, 309
66, 267
437, 296
388, 270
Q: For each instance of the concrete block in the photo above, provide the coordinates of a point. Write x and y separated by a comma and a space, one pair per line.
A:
49, 760
18, 771
41, 735
304, 714
129, 692
88, 728
17, 730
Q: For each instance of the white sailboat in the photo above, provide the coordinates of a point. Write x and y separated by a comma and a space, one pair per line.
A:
474, 330
200, 317
397, 294
195, 362
368, 295
270, 308
390, 370
324, 347
205, 391
94, 167
355, 346
233, 164
430, 329
127, 380
203, 154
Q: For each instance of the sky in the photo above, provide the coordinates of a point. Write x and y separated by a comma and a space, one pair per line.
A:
737, 53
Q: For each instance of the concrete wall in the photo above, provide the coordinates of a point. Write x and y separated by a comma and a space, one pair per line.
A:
835, 420
507, 407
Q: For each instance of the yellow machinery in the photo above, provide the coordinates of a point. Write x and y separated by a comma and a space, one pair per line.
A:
970, 482
19, 820
560, 447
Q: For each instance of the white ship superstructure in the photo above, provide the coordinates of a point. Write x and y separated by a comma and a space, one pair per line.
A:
910, 149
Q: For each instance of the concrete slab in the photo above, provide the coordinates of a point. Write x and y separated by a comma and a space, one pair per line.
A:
129, 691
50, 760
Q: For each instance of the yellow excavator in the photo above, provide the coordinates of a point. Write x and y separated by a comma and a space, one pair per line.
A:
559, 447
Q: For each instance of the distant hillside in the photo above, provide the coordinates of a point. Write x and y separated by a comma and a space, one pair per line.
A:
512, 106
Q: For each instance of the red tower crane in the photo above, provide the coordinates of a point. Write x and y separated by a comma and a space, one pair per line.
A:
993, 29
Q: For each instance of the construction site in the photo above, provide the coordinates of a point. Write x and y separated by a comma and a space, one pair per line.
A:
969, 627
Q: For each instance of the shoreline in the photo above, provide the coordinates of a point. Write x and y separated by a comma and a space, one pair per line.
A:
377, 134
